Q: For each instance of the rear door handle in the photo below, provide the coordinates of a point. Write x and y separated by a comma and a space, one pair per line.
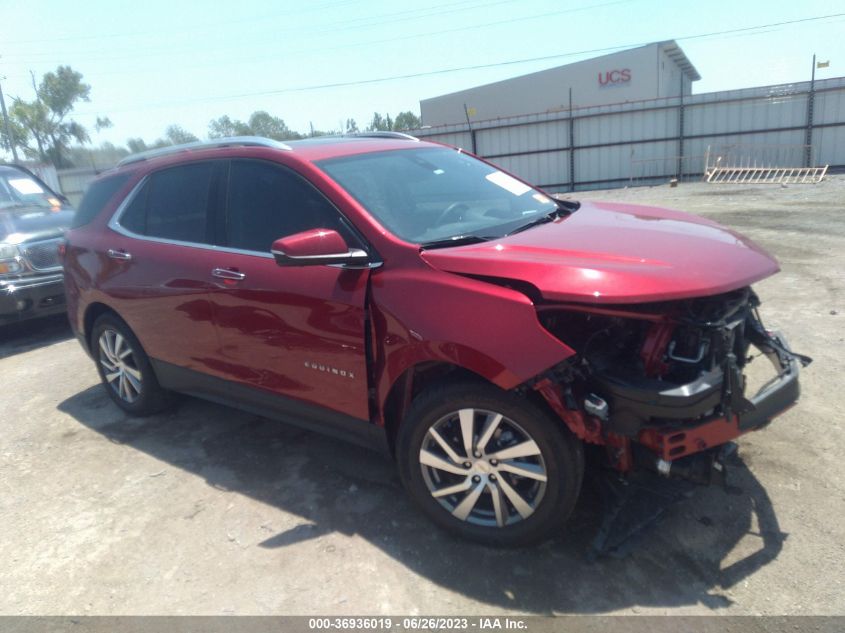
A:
225, 273
114, 254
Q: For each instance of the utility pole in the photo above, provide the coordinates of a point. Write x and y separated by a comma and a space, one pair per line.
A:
41, 154
8, 127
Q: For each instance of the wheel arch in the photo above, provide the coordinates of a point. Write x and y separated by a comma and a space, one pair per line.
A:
417, 378
93, 312
413, 381
449, 325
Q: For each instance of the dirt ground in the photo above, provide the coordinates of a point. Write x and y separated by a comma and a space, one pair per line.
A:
207, 510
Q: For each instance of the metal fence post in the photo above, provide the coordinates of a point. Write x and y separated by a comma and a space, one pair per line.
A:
811, 97
472, 139
680, 173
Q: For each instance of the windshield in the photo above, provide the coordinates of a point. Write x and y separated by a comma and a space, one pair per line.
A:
18, 189
430, 194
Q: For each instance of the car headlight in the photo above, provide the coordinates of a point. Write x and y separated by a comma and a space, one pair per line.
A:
9, 263
8, 251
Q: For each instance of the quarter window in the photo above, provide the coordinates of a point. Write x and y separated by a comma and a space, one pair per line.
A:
96, 197
266, 202
135, 217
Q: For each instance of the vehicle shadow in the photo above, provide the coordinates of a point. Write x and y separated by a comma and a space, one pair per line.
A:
16, 338
688, 557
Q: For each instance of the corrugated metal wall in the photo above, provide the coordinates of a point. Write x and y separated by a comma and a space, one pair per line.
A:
75, 181
605, 146
48, 174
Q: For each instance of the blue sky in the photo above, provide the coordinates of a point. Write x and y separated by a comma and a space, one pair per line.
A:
154, 63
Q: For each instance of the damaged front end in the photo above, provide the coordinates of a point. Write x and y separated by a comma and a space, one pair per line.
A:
663, 386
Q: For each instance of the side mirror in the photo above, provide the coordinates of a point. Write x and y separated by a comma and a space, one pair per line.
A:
317, 247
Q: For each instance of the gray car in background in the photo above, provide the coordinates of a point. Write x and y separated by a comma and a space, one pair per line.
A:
33, 220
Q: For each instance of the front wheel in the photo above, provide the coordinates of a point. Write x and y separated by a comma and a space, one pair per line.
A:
488, 465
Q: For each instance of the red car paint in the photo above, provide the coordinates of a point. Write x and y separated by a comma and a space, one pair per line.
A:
617, 253
347, 339
314, 242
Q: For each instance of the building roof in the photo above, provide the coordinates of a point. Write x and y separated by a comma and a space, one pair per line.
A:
670, 47
676, 54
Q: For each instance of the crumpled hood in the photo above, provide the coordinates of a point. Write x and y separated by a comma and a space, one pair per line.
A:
617, 253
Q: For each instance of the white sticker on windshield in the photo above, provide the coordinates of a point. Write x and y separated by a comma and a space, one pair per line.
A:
508, 183
25, 186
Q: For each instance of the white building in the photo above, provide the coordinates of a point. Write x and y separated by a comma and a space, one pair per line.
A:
648, 72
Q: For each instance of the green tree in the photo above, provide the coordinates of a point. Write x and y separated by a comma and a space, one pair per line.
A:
173, 135
19, 133
318, 132
136, 145
103, 123
260, 123
404, 121
351, 126
102, 157
46, 119
379, 123
407, 121
225, 127
176, 135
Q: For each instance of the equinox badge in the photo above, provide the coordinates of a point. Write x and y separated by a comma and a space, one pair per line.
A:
330, 370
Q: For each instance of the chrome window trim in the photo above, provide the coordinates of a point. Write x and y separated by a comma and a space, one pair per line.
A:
383, 134
115, 225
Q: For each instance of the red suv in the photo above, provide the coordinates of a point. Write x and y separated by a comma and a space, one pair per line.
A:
409, 296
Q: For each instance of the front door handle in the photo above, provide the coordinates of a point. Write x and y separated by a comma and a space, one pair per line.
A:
225, 273
114, 254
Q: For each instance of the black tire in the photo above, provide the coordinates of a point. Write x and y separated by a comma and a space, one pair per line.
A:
560, 458
149, 397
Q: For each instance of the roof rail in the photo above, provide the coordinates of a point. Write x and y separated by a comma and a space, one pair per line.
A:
384, 134
234, 141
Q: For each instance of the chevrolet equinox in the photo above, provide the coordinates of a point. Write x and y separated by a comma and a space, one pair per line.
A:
411, 297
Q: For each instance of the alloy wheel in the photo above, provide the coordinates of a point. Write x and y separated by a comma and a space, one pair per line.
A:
483, 467
120, 368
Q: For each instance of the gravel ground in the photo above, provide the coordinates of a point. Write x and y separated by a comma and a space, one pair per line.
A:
206, 510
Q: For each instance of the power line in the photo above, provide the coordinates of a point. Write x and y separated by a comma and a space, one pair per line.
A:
331, 27
385, 40
349, 21
309, 8
443, 71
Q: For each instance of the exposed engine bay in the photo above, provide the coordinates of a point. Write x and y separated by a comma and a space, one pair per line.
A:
667, 377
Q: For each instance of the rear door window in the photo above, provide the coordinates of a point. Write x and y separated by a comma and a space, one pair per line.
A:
177, 203
173, 204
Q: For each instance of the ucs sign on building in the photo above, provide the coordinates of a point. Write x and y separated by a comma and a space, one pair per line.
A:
648, 72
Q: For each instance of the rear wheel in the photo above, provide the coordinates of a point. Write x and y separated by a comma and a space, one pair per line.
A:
125, 369
488, 465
